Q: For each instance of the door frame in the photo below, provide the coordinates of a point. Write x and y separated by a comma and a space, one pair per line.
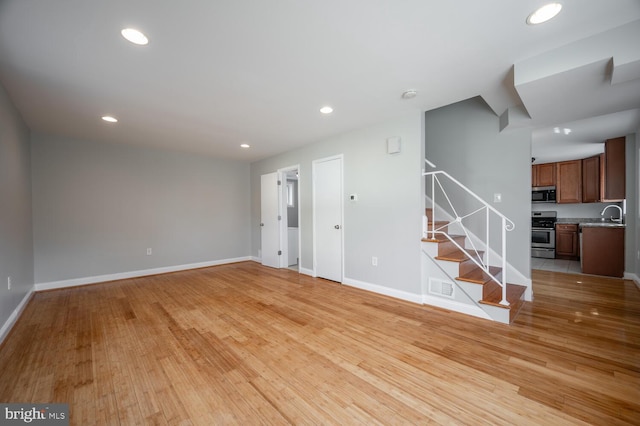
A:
313, 209
284, 243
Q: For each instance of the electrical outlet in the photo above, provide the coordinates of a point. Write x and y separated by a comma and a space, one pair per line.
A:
374, 261
8, 283
149, 251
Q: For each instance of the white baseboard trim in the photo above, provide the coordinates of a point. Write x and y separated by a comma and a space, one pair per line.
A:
528, 293
632, 277
133, 274
256, 259
375, 288
306, 271
455, 306
10, 322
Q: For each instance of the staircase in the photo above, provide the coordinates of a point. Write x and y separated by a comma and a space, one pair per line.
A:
450, 254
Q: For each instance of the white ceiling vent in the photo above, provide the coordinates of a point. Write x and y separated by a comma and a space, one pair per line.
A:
441, 288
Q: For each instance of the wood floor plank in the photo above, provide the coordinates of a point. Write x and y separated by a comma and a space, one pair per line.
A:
245, 344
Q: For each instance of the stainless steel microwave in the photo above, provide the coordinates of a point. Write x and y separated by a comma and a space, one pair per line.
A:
543, 194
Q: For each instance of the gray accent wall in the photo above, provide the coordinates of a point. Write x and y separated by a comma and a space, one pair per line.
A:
16, 241
385, 222
98, 207
464, 139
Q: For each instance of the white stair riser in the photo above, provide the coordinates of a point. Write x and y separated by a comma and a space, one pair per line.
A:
430, 248
450, 268
473, 290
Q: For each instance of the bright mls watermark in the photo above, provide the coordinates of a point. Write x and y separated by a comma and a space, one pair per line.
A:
36, 414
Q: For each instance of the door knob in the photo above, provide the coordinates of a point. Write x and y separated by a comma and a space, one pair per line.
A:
262, 224
337, 226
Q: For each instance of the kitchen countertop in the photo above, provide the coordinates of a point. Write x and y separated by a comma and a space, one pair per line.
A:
591, 222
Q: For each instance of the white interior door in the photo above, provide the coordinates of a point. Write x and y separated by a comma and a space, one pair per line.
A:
269, 224
327, 214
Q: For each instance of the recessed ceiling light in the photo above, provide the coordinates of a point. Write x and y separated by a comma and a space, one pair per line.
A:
134, 36
558, 130
410, 94
326, 110
245, 145
110, 119
545, 13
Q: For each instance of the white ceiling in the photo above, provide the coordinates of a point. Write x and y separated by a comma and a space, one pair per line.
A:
220, 73
586, 138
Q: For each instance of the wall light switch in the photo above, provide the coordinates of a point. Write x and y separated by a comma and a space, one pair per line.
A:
497, 198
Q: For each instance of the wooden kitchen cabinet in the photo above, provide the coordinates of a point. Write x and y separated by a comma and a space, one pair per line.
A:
591, 180
567, 241
543, 174
614, 170
569, 181
603, 251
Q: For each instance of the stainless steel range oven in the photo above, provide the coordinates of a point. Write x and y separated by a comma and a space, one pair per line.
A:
543, 234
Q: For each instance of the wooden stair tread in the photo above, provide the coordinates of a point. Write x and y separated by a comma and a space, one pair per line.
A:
514, 296
478, 276
441, 238
437, 224
459, 255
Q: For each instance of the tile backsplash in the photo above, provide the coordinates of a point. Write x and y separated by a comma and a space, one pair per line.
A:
584, 210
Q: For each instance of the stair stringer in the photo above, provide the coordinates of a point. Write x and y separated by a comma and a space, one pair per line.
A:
468, 296
514, 275
444, 270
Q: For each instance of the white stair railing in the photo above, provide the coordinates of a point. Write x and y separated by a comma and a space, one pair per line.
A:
506, 225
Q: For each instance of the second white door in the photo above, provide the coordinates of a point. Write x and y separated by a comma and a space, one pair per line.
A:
269, 223
327, 213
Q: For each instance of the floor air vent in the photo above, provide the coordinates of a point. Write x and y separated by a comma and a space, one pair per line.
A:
441, 288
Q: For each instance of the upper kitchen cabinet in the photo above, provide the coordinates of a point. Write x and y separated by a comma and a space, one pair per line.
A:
569, 181
543, 174
614, 170
591, 180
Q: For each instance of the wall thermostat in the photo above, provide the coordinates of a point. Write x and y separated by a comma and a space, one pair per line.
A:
393, 145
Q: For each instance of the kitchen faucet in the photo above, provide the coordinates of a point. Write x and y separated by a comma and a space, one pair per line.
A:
619, 220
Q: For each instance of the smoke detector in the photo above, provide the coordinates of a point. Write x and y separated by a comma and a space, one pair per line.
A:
410, 94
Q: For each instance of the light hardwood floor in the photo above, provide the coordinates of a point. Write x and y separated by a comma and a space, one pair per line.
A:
244, 344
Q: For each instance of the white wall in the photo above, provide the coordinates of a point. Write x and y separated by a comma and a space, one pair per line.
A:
97, 207
16, 243
385, 221
632, 187
464, 140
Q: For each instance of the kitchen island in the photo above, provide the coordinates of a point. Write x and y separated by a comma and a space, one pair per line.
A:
601, 247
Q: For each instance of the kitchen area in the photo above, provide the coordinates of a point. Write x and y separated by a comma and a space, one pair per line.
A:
578, 211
